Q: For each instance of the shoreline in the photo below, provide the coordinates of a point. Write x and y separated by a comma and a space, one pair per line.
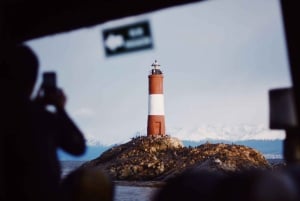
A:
152, 184
69, 166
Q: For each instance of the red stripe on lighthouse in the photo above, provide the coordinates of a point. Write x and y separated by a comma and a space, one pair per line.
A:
156, 84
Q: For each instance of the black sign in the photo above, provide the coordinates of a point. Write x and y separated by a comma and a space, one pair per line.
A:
128, 38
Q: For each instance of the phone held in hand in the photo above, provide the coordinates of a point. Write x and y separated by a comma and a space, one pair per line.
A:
49, 82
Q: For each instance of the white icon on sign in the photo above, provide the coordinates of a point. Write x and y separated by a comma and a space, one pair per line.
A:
114, 42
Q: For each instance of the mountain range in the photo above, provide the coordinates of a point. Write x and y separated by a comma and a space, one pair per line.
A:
270, 148
256, 136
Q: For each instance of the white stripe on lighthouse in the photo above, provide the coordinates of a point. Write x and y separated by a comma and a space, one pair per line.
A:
156, 104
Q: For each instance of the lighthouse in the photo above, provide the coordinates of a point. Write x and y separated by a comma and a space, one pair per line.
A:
156, 110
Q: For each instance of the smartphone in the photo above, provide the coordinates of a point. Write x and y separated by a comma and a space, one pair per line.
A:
49, 80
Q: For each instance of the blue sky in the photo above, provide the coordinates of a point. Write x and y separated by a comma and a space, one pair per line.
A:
219, 60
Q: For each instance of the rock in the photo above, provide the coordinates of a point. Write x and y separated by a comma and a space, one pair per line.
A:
163, 157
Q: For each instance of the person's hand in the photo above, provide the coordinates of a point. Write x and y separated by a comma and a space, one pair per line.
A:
56, 98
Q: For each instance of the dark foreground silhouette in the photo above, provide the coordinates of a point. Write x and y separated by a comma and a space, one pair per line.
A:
251, 185
31, 133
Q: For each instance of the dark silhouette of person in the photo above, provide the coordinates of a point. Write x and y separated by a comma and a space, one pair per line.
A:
237, 186
191, 185
31, 133
257, 185
87, 184
248, 185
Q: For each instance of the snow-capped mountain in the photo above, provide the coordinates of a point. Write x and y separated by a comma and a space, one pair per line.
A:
93, 141
231, 133
269, 142
228, 133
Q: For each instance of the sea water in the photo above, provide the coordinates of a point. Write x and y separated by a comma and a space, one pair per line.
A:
134, 193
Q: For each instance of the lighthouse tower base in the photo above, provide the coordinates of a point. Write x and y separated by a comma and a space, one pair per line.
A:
156, 125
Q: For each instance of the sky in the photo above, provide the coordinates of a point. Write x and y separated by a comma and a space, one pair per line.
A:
219, 59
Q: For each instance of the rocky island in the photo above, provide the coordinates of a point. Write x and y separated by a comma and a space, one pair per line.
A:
159, 158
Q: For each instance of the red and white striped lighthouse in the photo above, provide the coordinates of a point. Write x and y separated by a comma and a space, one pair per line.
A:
156, 110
